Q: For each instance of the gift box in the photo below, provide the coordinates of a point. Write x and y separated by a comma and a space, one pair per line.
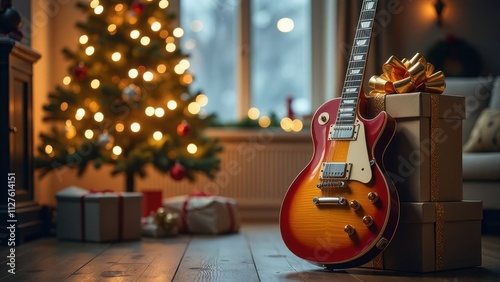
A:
424, 159
202, 213
434, 236
151, 201
98, 216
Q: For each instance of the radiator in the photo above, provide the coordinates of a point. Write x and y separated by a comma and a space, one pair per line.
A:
257, 167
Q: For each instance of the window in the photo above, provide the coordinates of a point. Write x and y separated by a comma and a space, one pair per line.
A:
251, 53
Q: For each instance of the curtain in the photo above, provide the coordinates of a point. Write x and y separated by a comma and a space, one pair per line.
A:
348, 12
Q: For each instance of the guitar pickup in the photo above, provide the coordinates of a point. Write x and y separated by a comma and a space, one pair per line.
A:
343, 132
332, 170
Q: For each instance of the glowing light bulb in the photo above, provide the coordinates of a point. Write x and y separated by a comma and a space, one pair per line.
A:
163, 4
116, 56
159, 112
184, 63
119, 127
135, 127
157, 135
84, 39
172, 105
64, 106
161, 68
264, 121
145, 40
94, 3
170, 47
98, 10
117, 150
48, 149
118, 7
297, 125
80, 113
192, 148
202, 99
285, 25
186, 79
148, 76
67, 80
253, 113
95, 83
133, 73
89, 50
194, 108
286, 124
155, 26
178, 32
98, 117
89, 134
150, 111
112, 28
134, 34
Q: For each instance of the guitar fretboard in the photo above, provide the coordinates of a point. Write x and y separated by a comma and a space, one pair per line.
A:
357, 61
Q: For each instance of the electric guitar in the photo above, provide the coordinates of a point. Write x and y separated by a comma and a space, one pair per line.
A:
342, 210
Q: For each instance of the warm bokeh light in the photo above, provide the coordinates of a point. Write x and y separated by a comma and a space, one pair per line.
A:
135, 127
133, 73
148, 76
186, 79
112, 28
98, 117
264, 121
116, 56
94, 3
196, 26
194, 108
80, 113
170, 47
118, 7
172, 105
70, 131
48, 149
161, 68
145, 40
84, 39
98, 10
202, 99
67, 80
157, 135
89, 50
297, 125
89, 134
178, 32
286, 124
155, 26
134, 34
117, 150
150, 111
285, 25
64, 106
163, 4
253, 113
184, 63
159, 112
119, 127
93, 106
192, 148
95, 83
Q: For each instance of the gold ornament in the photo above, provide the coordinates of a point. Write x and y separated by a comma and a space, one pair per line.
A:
403, 76
166, 220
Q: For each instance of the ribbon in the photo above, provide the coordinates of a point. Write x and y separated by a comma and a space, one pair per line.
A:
439, 237
165, 220
120, 212
403, 76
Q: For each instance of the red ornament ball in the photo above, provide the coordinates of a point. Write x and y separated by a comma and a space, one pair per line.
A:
178, 172
137, 7
184, 129
80, 72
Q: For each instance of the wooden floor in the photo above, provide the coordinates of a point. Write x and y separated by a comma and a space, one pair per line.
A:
257, 253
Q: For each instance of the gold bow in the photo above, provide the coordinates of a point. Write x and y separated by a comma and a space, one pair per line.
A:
403, 76
165, 220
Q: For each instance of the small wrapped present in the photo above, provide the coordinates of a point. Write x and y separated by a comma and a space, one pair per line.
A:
98, 216
203, 213
434, 236
161, 224
151, 201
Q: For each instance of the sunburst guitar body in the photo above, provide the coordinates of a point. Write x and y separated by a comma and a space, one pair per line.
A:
342, 209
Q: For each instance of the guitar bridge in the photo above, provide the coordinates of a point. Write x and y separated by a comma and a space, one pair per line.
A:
332, 170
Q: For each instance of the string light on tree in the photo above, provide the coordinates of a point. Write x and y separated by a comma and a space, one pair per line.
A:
128, 97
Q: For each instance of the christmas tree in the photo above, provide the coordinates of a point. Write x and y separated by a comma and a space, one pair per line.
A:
126, 101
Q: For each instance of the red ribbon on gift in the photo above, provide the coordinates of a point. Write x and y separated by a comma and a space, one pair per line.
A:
120, 212
184, 227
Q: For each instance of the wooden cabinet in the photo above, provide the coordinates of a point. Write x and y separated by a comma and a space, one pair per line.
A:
16, 141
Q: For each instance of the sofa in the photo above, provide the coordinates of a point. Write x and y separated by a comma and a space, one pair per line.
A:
481, 142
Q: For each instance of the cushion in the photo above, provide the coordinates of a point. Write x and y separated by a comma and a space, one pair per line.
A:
485, 136
477, 92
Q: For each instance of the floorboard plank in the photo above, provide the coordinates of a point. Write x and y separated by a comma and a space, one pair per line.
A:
217, 258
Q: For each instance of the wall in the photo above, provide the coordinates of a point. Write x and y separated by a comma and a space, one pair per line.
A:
414, 29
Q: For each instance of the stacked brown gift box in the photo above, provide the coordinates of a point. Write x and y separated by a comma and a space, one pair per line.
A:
437, 229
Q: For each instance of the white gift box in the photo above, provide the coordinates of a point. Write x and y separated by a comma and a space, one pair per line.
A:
98, 217
205, 213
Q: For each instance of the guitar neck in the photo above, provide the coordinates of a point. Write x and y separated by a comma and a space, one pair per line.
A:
357, 61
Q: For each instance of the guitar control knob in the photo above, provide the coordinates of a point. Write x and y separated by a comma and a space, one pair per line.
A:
373, 197
349, 229
354, 205
367, 220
